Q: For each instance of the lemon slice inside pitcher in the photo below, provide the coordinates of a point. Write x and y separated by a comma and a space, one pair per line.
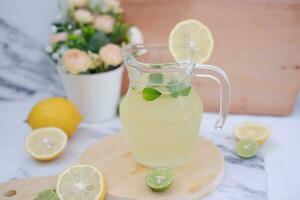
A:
191, 38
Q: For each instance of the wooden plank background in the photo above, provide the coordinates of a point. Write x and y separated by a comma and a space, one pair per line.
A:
257, 43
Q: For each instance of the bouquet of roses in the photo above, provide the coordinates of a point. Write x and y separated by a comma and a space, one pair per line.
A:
88, 36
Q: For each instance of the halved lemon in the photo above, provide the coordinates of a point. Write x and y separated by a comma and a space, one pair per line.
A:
259, 132
81, 182
191, 38
46, 143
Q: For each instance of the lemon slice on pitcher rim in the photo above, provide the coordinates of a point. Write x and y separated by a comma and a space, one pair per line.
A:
81, 182
259, 132
191, 38
46, 143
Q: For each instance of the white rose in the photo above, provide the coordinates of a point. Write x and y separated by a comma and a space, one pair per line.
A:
104, 23
58, 37
83, 16
135, 35
110, 54
80, 3
76, 61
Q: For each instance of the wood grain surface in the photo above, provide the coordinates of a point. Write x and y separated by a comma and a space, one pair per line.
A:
257, 43
125, 178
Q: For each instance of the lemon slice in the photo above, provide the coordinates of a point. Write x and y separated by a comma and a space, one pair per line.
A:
46, 143
81, 182
259, 132
191, 39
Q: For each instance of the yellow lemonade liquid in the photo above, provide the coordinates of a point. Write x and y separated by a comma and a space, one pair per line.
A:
162, 132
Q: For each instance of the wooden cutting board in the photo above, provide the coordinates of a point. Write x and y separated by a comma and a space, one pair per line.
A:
125, 178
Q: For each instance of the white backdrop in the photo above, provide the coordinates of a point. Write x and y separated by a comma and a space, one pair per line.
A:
32, 17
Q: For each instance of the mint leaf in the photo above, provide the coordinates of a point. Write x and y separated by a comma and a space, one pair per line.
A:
158, 66
185, 92
150, 94
178, 89
156, 78
173, 89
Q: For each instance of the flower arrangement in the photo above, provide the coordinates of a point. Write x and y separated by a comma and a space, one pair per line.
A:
88, 36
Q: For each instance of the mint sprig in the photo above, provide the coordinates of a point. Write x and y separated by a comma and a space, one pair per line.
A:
150, 94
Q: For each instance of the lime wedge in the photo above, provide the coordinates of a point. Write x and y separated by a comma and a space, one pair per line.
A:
247, 148
191, 39
160, 179
47, 195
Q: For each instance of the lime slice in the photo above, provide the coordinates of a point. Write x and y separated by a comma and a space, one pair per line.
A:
160, 179
47, 195
247, 148
259, 132
191, 39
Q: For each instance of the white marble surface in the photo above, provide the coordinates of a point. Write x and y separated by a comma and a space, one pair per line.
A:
233, 186
27, 16
27, 75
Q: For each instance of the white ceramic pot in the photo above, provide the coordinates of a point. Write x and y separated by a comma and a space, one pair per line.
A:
96, 95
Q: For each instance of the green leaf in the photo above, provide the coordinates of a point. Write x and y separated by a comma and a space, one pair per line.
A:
57, 46
76, 41
185, 92
47, 195
98, 40
119, 33
180, 89
156, 65
150, 94
87, 31
156, 78
61, 27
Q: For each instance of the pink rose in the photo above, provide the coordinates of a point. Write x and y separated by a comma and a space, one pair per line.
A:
113, 5
80, 3
58, 37
110, 54
83, 16
104, 23
76, 61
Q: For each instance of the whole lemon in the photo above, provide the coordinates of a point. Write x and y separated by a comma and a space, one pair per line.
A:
55, 112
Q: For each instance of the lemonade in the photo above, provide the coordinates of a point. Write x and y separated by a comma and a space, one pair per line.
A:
162, 132
161, 112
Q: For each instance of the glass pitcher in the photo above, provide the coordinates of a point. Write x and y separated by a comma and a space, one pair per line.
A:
161, 112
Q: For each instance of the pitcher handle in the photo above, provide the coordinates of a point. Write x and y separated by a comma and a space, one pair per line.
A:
216, 73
